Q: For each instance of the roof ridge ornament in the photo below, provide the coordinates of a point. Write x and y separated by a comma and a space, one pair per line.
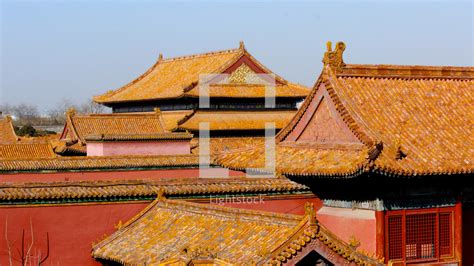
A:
160, 57
310, 213
334, 58
157, 110
241, 45
71, 111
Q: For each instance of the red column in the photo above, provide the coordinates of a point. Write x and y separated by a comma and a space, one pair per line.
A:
380, 233
458, 232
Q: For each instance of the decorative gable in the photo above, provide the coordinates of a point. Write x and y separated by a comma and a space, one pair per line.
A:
244, 75
325, 126
321, 123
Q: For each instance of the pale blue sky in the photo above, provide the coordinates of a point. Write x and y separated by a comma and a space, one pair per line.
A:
54, 50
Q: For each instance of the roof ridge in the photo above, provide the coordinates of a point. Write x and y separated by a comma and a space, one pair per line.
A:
158, 182
153, 113
406, 71
110, 93
192, 56
344, 111
231, 211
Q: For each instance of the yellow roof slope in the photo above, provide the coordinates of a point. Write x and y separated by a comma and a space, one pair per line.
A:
298, 159
412, 120
70, 163
251, 91
141, 188
177, 231
7, 133
169, 77
81, 126
178, 77
26, 151
236, 120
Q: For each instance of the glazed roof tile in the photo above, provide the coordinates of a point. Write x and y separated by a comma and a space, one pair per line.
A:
413, 120
99, 162
171, 118
171, 230
78, 127
142, 137
327, 160
236, 120
168, 78
20, 151
145, 188
7, 133
219, 145
250, 91
176, 77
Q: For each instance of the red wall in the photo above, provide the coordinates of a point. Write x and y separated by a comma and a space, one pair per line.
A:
73, 228
110, 175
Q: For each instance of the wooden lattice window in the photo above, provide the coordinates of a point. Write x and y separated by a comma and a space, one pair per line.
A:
419, 235
445, 234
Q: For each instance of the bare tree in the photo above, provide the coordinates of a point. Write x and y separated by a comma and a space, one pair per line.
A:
90, 107
9, 244
26, 112
58, 112
26, 256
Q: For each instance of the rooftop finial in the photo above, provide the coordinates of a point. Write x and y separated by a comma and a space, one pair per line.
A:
157, 110
241, 45
160, 57
309, 211
334, 58
161, 194
71, 111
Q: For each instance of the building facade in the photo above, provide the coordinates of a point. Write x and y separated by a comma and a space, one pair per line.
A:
388, 149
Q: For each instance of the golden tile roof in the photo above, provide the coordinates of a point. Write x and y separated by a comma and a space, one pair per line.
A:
299, 159
250, 91
80, 126
145, 188
171, 118
21, 151
167, 78
236, 120
421, 117
68, 147
99, 162
218, 145
7, 133
171, 230
171, 78
142, 137
412, 120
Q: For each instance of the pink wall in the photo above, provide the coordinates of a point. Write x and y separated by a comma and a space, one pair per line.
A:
345, 223
138, 148
113, 175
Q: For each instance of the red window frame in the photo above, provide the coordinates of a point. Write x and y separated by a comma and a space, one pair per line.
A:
419, 235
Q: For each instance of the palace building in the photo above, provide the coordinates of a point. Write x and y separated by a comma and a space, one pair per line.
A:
120, 134
372, 169
226, 89
389, 151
